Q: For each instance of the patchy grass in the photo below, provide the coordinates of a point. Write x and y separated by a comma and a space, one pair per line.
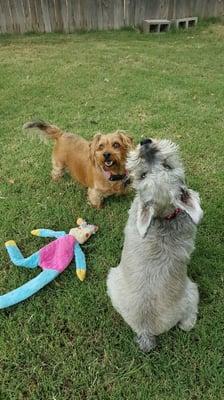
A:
67, 342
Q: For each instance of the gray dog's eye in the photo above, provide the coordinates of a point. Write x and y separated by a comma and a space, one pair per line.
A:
166, 166
143, 175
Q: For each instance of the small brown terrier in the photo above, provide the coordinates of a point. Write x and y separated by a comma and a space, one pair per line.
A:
99, 164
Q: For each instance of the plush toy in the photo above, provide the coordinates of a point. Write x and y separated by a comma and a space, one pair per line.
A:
53, 258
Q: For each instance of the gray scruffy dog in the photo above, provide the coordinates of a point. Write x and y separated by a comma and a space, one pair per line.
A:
150, 287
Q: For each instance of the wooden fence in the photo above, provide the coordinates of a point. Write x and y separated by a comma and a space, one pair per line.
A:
67, 16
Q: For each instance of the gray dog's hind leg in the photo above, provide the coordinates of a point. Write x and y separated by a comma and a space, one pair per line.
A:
146, 342
191, 300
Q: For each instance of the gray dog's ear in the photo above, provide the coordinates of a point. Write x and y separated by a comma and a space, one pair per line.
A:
145, 214
189, 201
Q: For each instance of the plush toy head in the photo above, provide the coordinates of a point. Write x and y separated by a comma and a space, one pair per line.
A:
83, 231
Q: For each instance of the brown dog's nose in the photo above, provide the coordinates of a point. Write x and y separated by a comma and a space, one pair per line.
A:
106, 155
145, 141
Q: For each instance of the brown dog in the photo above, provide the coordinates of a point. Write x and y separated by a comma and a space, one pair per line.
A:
98, 164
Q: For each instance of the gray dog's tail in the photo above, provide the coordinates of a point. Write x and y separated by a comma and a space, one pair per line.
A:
51, 131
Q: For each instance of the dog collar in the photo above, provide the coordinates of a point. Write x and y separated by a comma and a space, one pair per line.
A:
173, 214
119, 177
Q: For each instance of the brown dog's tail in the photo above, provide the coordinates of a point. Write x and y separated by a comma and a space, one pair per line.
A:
51, 131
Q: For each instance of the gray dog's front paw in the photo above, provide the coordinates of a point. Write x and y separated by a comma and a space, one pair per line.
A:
146, 342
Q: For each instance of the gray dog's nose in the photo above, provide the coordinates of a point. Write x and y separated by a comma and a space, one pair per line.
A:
145, 141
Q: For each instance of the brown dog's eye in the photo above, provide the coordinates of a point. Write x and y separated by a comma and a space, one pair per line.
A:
116, 145
101, 146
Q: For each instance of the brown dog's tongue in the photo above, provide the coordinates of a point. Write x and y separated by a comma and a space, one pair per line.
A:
107, 173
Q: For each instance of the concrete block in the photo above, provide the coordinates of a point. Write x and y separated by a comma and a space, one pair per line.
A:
156, 25
185, 23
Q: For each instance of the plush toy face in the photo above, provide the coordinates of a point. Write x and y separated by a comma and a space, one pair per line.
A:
83, 231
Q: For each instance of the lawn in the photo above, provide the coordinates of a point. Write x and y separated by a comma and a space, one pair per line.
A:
67, 342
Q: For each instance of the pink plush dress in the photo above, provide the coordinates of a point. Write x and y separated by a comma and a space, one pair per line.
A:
58, 254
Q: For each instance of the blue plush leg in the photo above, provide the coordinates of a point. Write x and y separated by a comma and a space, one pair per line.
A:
17, 258
28, 289
80, 262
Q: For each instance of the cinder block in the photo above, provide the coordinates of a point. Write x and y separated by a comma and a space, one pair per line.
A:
156, 25
185, 23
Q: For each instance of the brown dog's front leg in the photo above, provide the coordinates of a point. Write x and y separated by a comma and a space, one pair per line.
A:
95, 198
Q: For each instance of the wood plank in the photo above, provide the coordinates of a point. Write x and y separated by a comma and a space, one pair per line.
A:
46, 16
118, 14
58, 16
27, 16
20, 16
183, 9
81, 16
99, 15
199, 8
33, 16
171, 10
50, 5
129, 9
70, 15
64, 16
78, 11
13, 12
139, 13
39, 16
3, 25
164, 9
108, 14
91, 10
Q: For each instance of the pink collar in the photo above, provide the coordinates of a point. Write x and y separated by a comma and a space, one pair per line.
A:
173, 214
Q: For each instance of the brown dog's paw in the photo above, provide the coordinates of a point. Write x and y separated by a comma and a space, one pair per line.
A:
95, 205
95, 198
55, 178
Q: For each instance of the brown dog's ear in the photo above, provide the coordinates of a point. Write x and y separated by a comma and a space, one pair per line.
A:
126, 140
93, 145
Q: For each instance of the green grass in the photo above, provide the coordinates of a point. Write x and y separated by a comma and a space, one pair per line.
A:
67, 342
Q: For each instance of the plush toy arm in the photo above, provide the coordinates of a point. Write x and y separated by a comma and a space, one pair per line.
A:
80, 261
48, 233
28, 289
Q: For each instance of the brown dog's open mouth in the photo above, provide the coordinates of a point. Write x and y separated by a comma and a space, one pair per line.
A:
109, 164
